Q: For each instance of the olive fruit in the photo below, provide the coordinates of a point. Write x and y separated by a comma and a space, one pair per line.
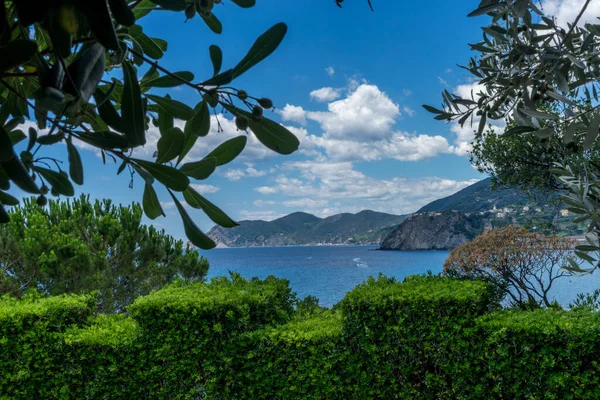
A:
241, 122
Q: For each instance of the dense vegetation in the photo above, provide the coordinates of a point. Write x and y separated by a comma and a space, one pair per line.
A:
82, 246
428, 337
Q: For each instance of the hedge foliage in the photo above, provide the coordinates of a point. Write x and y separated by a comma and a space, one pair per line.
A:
232, 338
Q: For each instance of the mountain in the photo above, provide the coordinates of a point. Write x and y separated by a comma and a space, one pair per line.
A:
478, 197
435, 231
451, 221
306, 229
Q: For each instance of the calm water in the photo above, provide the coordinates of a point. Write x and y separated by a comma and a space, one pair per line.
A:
328, 272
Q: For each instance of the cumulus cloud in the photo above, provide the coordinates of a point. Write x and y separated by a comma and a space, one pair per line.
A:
260, 215
293, 114
204, 189
366, 114
266, 190
325, 94
330, 71
327, 186
566, 11
237, 174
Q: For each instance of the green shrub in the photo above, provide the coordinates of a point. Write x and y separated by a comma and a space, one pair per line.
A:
303, 359
406, 339
425, 338
541, 354
191, 327
31, 350
106, 359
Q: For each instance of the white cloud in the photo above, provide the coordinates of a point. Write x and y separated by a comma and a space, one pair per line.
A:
266, 190
237, 174
325, 187
442, 81
293, 114
407, 92
366, 114
234, 174
204, 189
409, 111
305, 203
325, 94
330, 71
260, 215
264, 203
566, 11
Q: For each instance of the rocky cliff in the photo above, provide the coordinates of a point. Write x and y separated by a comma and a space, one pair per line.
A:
434, 231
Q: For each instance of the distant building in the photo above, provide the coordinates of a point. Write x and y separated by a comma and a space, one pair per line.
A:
564, 213
538, 209
508, 210
526, 208
500, 215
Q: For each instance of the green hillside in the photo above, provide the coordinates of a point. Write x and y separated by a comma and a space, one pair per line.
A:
305, 229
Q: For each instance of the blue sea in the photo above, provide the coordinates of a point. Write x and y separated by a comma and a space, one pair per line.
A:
328, 272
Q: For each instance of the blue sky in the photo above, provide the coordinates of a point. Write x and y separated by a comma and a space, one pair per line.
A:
350, 83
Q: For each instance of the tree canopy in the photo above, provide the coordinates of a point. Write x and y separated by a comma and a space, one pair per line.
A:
82, 246
85, 71
526, 61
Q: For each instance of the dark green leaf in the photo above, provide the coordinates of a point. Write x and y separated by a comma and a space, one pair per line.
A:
194, 128
150, 203
268, 132
176, 108
485, 9
227, 151
213, 23
266, 44
59, 182
7, 199
32, 138
17, 136
592, 132
195, 200
245, 3
168, 176
200, 169
132, 108
538, 114
169, 145
168, 81
432, 110
47, 140
15, 53
150, 47
75, 164
193, 233
121, 12
106, 140
216, 56
223, 78
518, 130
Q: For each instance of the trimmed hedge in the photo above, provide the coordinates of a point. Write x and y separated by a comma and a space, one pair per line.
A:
407, 339
32, 352
425, 338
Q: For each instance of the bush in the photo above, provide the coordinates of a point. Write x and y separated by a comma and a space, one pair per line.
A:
539, 354
407, 338
106, 359
31, 350
303, 359
425, 338
191, 327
